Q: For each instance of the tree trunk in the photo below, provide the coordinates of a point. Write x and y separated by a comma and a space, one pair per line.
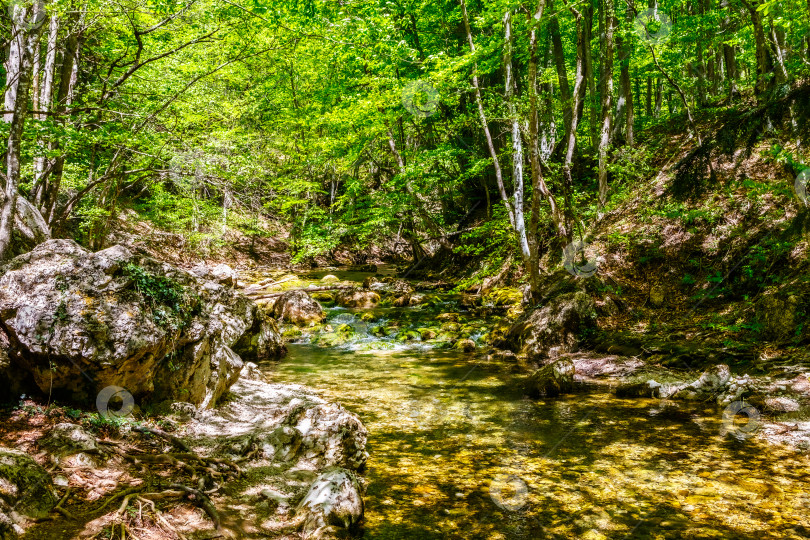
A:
624, 106
484, 124
25, 33
589, 76
729, 57
68, 77
562, 72
517, 141
607, 101
571, 134
659, 96
761, 47
45, 95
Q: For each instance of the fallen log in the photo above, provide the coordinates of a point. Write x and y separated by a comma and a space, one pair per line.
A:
263, 296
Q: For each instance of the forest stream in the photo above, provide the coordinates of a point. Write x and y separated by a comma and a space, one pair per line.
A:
457, 450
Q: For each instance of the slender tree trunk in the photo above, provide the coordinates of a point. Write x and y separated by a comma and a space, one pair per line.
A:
571, 134
18, 69
701, 74
45, 95
680, 92
729, 56
68, 79
659, 96
562, 71
589, 76
517, 142
607, 101
779, 54
484, 124
624, 106
761, 46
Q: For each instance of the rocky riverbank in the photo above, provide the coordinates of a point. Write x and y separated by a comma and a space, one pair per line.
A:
164, 427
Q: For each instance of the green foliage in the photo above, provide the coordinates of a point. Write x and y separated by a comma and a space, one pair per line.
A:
171, 304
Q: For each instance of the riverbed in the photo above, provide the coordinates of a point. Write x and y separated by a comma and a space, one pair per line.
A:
457, 451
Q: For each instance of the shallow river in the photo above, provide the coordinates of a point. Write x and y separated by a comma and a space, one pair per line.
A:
458, 452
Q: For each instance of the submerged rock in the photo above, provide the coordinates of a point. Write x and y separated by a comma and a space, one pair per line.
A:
553, 328
79, 321
298, 308
466, 345
553, 379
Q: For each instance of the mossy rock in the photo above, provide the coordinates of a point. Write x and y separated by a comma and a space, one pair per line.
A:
332, 339
466, 345
447, 337
505, 296
291, 333
345, 330
448, 317
408, 335
427, 334
379, 331
368, 317
24, 484
451, 327
323, 296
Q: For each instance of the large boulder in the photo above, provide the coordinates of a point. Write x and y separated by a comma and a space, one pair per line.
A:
553, 328
358, 299
79, 322
299, 308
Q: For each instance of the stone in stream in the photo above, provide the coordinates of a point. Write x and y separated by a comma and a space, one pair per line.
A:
466, 345
553, 328
333, 502
79, 322
330, 279
298, 308
552, 380
357, 299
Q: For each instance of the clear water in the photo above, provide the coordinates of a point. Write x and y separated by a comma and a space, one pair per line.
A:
458, 452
